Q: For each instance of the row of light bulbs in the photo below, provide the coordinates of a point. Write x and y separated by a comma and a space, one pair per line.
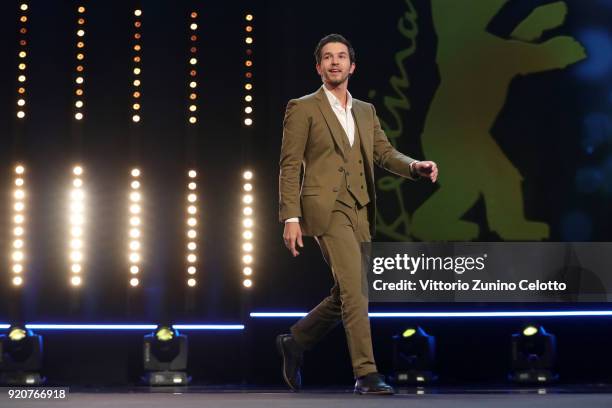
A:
137, 68
18, 254
248, 74
248, 228
192, 224
77, 198
79, 79
22, 65
79, 99
135, 221
193, 73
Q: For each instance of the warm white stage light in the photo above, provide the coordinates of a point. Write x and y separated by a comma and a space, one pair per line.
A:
18, 255
247, 224
192, 222
134, 232
76, 222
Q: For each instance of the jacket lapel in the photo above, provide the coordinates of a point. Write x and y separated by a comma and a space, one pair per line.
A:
332, 121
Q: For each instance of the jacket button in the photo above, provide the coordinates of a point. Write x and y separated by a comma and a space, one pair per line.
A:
362, 187
359, 161
335, 189
361, 174
340, 169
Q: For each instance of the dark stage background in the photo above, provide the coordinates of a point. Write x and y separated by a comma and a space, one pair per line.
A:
554, 127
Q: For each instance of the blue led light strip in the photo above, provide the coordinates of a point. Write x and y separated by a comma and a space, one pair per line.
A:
558, 313
45, 326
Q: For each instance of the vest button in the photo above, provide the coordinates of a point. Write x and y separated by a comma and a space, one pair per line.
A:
359, 161
361, 174
362, 187
340, 169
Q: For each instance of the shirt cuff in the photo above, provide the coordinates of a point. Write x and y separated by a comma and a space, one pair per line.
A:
412, 171
294, 219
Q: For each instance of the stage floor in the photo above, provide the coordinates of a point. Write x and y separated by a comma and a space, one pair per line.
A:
236, 397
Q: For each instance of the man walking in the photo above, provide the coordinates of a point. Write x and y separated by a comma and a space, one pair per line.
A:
337, 139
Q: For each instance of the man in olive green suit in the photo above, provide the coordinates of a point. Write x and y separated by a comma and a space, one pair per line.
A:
337, 139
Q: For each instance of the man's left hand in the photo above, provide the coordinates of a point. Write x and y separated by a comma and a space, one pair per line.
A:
427, 169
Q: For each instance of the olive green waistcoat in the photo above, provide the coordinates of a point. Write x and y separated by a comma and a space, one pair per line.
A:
353, 188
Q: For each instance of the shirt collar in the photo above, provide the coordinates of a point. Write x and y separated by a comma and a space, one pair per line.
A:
335, 102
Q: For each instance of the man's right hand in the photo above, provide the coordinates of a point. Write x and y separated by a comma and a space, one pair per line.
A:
291, 236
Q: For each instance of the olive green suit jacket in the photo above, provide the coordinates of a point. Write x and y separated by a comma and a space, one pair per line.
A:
314, 138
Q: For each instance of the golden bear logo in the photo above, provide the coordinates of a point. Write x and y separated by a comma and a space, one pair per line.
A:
476, 68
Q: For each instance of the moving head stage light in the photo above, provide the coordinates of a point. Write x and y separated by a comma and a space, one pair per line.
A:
165, 357
533, 356
20, 357
414, 354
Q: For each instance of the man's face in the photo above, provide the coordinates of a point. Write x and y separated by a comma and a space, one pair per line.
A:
335, 66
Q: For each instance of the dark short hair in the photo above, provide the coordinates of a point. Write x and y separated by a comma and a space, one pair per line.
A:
330, 38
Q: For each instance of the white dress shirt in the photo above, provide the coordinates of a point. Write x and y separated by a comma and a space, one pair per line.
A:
345, 116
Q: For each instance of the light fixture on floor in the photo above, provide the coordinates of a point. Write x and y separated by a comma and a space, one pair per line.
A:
414, 354
165, 357
20, 357
533, 355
